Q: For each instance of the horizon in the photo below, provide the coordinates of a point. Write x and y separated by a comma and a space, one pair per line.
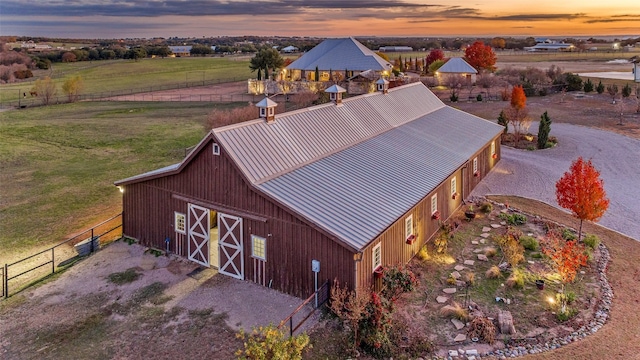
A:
111, 19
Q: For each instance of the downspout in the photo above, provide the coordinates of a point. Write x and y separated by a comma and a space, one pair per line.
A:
357, 257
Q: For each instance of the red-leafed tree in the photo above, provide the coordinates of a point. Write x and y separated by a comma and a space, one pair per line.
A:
435, 54
566, 257
480, 56
582, 191
518, 98
517, 114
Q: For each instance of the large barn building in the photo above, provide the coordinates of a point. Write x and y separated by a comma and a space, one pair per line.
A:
354, 184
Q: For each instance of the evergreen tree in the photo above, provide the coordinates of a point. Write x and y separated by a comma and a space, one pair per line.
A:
543, 130
600, 87
502, 120
259, 74
588, 86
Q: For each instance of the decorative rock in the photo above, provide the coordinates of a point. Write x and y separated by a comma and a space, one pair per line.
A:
456, 275
449, 290
469, 262
486, 229
495, 226
483, 257
531, 262
459, 267
442, 299
460, 338
485, 235
457, 323
503, 223
482, 241
472, 352
505, 322
475, 251
474, 242
453, 353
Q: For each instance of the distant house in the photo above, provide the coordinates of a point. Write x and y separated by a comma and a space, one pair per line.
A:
340, 58
349, 186
289, 49
550, 45
456, 67
181, 51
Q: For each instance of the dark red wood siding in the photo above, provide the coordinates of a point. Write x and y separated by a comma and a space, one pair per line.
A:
214, 181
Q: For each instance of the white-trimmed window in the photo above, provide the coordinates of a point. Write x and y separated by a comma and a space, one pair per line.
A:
259, 247
454, 186
377, 256
216, 149
179, 221
434, 204
408, 226
475, 165
493, 148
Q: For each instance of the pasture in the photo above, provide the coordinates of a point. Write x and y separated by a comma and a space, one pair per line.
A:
104, 78
59, 163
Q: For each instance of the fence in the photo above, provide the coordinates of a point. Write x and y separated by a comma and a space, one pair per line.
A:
30, 101
322, 295
25, 272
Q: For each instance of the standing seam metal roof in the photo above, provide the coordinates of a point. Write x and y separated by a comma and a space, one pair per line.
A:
457, 65
338, 55
355, 169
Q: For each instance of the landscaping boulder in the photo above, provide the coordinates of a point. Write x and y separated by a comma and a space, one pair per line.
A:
505, 322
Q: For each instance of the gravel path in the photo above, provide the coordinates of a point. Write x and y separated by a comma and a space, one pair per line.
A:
533, 174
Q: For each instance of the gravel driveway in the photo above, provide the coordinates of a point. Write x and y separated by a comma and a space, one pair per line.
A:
533, 174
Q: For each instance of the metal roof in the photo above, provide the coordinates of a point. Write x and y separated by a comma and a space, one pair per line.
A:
457, 65
340, 54
358, 192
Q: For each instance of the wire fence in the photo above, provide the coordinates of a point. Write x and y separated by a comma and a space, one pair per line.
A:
20, 274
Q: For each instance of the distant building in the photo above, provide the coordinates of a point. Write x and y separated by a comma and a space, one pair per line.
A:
395, 48
289, 49
550, 45
180, 51
456, 67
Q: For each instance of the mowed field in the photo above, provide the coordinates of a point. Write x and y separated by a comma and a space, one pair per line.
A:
58, 163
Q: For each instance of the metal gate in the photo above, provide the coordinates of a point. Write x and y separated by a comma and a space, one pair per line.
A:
231, 257
198, 243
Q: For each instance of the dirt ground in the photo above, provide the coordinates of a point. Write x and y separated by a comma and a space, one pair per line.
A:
168, 312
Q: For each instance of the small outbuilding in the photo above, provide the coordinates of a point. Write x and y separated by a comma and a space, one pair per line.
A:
347, 187
456, 67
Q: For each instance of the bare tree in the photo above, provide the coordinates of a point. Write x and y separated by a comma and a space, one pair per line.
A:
46, 90
486, 81
613, 91
303, 99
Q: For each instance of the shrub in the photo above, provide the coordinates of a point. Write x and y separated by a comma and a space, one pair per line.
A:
568, 234
268, 342
567, 314
588, 86
490, 252
493, 272
479, 97
543, 130
486, 207
451, 280
453, 97
124, 277
455, 311
573, 81
470, 278
504, 121
516, 279
626, 90
511, 247
529, 243
397, 280
482, 328
592, 241
600, 87
423, 254
441, 242
514, 219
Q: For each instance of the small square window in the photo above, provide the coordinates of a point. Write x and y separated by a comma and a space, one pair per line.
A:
377, 256
493, 148
408, 226
216, 149
475, 165
179, 223
258, 247
454, 186
434, 204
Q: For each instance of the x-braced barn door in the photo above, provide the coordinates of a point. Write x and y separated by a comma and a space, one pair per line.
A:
230, 234
198, 244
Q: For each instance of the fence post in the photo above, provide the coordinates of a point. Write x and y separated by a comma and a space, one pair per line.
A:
6, 281
53, 260
91, 240
291, 326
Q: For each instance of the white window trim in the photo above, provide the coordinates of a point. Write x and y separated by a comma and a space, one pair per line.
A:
373, 256
253, 246
493, 148
216, 149
475, 165
454, 185
434, 204
176, 216
408, 221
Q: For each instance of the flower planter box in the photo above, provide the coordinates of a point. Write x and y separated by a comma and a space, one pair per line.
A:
435, 215
540, 284
410, 239
454, 196
476, 174
377, 273
470, 214
494, 156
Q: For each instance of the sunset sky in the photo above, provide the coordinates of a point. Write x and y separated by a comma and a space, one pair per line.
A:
325, 18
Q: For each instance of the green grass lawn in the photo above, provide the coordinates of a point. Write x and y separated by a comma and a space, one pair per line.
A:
128, 75
58, 163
